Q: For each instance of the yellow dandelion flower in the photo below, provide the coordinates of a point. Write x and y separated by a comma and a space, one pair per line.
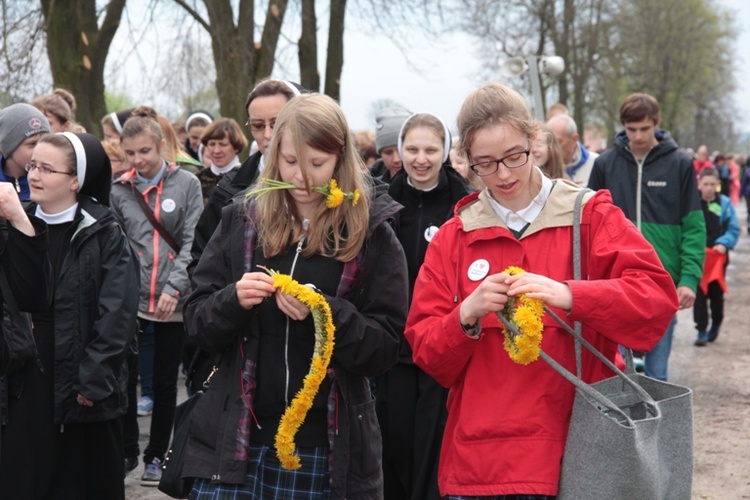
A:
526, 315
335, 198
513, 270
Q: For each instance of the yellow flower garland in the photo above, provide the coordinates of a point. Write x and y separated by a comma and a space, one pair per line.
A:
526, 315
324, 332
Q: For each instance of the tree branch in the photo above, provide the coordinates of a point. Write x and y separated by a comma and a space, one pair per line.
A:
269, 39
194, 14
108, 30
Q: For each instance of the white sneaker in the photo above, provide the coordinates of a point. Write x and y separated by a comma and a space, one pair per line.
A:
145, 406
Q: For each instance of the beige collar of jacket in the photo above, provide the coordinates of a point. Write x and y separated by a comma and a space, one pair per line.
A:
557, 212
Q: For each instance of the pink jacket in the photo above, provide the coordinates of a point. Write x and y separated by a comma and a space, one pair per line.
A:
508, 423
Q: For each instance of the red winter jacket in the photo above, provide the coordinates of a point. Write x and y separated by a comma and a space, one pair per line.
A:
507, 422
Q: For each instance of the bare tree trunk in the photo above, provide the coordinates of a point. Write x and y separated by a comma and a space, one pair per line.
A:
266, 53
240, 62
335, 60
562, 48
308, 48
233, 53
77, 49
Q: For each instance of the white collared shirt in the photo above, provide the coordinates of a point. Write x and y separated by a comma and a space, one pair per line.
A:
518, 220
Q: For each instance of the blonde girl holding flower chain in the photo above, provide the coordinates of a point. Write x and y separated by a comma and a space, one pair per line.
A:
508, 418
332, 237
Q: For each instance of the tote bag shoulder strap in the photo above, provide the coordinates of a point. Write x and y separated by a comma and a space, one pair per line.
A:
577, 335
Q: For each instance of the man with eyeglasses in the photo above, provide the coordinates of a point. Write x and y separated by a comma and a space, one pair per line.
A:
21, 127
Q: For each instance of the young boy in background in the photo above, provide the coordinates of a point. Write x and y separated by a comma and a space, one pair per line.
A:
722, 231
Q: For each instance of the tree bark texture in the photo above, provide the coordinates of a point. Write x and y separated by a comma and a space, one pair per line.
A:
77, 49
308, 48
335, 59
240, 61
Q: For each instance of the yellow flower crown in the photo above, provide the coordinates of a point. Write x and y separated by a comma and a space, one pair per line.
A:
295, 414
524, 315
334, 195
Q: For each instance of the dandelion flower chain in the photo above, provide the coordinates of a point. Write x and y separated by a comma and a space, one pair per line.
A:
295, 414
526, 315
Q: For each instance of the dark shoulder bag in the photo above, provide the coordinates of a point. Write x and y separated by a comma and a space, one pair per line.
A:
172, 483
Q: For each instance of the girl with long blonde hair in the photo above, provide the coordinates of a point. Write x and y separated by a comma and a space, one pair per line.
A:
347, 252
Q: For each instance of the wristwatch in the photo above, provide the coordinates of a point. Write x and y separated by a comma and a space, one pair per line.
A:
472, 329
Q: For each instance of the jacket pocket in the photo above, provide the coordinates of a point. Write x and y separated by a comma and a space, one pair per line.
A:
365, 442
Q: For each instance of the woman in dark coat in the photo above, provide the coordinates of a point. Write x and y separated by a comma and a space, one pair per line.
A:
267, 337
412, 405
64, 434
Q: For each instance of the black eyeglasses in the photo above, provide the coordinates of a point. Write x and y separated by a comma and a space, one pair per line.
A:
31, 166
260, 126
513, 160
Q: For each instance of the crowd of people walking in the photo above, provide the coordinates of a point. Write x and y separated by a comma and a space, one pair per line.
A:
156, 248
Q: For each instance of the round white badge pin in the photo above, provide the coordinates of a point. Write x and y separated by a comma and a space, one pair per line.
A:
478, 269
168, 205
430, 233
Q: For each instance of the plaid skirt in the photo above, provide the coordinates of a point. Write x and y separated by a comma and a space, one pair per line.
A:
267, 479
502, 497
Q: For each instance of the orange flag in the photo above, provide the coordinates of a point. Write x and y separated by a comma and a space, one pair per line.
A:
713, 270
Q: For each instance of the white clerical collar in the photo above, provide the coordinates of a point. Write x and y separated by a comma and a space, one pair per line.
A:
518, 220
408, 181
223, 170
66, 215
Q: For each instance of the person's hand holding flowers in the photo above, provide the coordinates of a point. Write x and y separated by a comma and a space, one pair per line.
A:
489, 297
535, 286
517, 298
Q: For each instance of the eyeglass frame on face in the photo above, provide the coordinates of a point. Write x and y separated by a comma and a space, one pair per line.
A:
497, 163
259, 128
30, 167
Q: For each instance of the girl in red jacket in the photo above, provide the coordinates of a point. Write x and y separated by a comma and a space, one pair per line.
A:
507, 422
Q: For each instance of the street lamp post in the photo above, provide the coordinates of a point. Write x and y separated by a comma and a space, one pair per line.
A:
551, 66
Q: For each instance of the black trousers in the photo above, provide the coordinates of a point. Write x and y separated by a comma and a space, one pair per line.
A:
168, 341
700, 308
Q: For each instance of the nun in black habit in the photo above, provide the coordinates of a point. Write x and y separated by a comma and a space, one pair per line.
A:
63, 437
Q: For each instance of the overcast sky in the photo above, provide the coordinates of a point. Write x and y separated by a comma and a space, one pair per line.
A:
435, 78
375, 68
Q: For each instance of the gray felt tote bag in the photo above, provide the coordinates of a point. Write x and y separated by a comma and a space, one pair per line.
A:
630, 436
